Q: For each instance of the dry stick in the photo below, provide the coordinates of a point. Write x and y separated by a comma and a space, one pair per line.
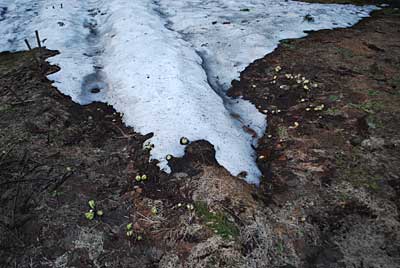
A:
28, 45
40, 49
38, 41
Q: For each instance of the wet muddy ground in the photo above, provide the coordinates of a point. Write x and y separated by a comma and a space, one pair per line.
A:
329, 196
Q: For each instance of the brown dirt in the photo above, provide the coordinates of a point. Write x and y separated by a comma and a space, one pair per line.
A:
329, 196
337, 165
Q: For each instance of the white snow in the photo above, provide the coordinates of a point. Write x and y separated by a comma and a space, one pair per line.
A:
165, 65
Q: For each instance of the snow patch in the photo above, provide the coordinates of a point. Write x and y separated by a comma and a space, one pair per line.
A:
167, 64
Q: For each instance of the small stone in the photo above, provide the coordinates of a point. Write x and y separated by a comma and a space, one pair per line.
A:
373, 143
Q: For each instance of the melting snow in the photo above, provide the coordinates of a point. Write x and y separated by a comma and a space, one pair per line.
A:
167, 64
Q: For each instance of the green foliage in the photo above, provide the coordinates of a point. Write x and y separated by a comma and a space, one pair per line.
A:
370, 107
89, 215
92, 204
216, 221
93, 211
332, 111
333, 98
345, 53
354, 169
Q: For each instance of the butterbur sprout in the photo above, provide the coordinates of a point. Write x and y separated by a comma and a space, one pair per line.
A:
138, 178
168, 157
184, 141
144, 177
154, 210
92, 204
89, 215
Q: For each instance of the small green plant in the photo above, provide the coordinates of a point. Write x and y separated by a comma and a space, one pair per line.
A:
56, 193
140, 178
154, 211
282, 133
370, 107
216, 221
333, 98
280, 247
184, 141
148, 146
90, 215
332, 111
372, 92
129, 231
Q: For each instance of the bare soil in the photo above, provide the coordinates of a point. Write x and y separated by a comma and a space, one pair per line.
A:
329, 195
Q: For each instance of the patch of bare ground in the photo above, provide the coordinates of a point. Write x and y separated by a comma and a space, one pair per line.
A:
330, 155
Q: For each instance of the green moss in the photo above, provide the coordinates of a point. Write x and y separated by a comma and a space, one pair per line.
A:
5, 108
287, 44
280, 247
216, 221
282, 133
356, 170
332, 111
345, 53
370, 107
333, 98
